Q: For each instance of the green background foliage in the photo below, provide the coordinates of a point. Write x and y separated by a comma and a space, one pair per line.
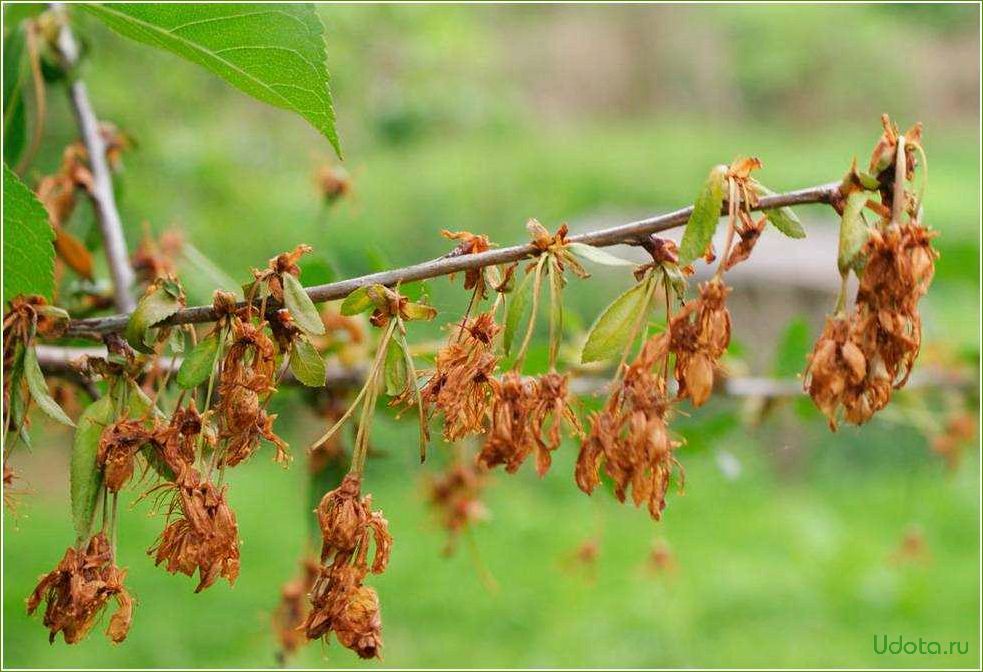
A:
478, 118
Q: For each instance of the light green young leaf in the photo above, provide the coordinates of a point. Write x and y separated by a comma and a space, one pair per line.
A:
306, 363
273, 52
28, 250
85, 476
597, 255
609, 333
301, 308
39, 389
199, 363
783, 219
419, 311
395, 373
702, 222
357, 302
154, 307
853, 232
516, 310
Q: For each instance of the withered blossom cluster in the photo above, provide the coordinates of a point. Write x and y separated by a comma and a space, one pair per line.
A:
340, 601
521, 409
865, 354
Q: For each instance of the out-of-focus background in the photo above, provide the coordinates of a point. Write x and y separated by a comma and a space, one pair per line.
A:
792, 546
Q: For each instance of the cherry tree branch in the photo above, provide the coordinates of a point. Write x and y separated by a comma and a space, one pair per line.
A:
629, 233
57, 360
102, 194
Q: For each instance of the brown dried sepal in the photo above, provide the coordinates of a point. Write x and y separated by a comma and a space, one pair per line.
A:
470, 243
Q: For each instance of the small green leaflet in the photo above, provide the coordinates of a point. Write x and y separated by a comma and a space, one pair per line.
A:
39, 389
301, 307
784, 219
702, 222
161, 302
273, 52
198, 364
853, 232
516, 309
395, 373
28, 250
609, 333
306, 363
85, 476
357, 302
418, 311
597, 255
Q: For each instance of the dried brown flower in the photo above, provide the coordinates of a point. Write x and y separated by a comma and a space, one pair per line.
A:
204, 537
836, 373
118, 447
699, 336
470, 244
248, 371
77, 590
520, 410
455, 495
630, 436
460, 385
288, 619
340, 603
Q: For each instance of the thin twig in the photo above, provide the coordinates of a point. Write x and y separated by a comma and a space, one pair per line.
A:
102, 194
615, 235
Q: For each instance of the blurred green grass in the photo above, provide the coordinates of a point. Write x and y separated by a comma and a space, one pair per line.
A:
781, 566
770, 571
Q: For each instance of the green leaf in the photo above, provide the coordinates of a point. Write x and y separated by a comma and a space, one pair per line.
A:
273, 52
14, 112
853, 233
793, 347
28, 252
85, 476
159, 304
395, 373
609, 333
419, 311
597, 255
39, 389
361, 299
783, 219
702, 222
199, 363
301, 307
306, 363
515, 311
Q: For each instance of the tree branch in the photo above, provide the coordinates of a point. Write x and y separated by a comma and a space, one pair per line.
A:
102, 194
57, 360
615, 235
